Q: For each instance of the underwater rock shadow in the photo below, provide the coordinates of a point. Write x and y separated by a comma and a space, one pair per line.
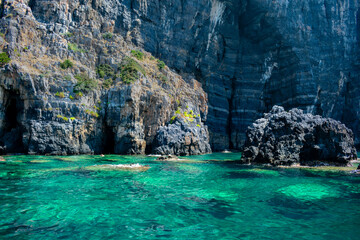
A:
293, 208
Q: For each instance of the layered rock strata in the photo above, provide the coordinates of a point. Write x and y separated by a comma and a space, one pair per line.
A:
295, 138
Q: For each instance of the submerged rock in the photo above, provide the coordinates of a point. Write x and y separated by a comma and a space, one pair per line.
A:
290, 138
126, 167
167, 158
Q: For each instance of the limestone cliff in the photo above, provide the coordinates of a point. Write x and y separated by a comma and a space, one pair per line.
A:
77, 88
248, 54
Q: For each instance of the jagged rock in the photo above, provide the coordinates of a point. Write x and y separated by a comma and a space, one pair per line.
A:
289, 138
167, 158
182, 138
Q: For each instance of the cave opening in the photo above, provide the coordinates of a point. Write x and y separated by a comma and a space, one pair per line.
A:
109, 146
148, 149
11, 138
32, 4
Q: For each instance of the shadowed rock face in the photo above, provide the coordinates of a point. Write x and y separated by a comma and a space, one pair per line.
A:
288, 138
248, 54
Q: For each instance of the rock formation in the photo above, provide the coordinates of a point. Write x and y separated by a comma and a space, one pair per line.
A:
184, 136
72, 89
248, 56
295, 138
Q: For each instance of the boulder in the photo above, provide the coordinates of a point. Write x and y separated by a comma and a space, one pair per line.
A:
182, 138
296, 138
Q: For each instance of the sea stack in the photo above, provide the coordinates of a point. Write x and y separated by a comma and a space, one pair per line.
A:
296, 138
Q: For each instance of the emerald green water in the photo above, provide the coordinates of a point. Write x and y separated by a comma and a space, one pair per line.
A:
204, 197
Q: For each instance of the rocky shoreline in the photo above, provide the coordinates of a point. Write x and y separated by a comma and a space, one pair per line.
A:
296, 138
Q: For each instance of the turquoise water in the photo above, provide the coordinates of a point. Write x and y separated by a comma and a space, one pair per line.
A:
204, 197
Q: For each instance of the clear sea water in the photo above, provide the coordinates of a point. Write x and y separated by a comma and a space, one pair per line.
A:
204, 197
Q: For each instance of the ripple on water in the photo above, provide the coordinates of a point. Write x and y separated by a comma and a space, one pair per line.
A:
309, 192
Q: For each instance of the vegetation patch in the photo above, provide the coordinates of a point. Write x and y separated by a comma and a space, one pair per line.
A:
68, 34
160, 64
107, 35
63, 118
92, 113
137, 54
66, 64
108, 83
79, 95
162, 77
60, 94
4, 58
84, 83
130, 70
74, 47
105, 70
189, 117
67, 78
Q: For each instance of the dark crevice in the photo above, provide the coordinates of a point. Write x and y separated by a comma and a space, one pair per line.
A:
230, 116
2, 9
11, 138
148, 149
11, 115
32, 4
109, 146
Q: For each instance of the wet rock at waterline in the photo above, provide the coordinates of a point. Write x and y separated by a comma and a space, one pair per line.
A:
289, 138
186, 136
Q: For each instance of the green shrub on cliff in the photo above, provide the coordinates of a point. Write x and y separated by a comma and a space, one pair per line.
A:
137, 54
163, 78
4, 59
107, 35
92, 113
74, 47
160, 64
107, 83
84, 83
105, 70
68, 34
60, 94
130, 70
66, 64
62, 117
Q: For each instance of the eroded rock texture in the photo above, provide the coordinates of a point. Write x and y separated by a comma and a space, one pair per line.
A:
295, 138
248, 54
42, 113
182, 138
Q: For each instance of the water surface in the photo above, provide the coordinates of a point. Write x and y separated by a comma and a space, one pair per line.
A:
204, 197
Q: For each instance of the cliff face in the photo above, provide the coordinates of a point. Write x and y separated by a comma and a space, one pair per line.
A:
106, 97
248, 54
251, 55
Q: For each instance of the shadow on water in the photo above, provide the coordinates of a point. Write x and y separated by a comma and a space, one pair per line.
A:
293, 208
217, 208
241, 174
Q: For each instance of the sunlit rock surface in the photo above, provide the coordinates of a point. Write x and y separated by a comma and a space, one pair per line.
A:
295, 138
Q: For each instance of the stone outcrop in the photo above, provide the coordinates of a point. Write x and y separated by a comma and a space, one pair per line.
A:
182, 138
295, 138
